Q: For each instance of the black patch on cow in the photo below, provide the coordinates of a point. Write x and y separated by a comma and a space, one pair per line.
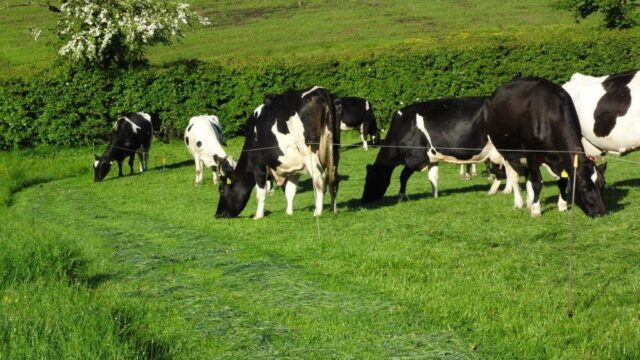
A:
186, 140
189, 128
198, 143
614, 103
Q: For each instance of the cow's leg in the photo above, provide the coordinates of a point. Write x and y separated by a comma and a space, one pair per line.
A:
312, 164
362, 136
290, 188
333, 189
562, 200
433, 179
404, 177
146, 159
535, 179
261, 194
199, 170
474, 171
494, 186
120, 168
131, 159
463, 170
512, 178
141, 160
530, 195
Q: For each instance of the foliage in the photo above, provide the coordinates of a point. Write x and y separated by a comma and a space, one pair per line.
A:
615, 13
109, 32
77, 107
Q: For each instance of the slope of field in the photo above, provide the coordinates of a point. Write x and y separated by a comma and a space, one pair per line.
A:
255, 31
156, 276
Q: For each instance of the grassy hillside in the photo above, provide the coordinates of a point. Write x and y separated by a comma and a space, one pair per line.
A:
255, 31
137, 267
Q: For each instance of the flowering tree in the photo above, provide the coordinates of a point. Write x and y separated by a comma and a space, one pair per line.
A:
106, 32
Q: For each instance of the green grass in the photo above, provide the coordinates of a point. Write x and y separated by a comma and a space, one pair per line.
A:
248, 32
142, 262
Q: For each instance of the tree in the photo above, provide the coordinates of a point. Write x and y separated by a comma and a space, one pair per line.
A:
116, 32
616, 13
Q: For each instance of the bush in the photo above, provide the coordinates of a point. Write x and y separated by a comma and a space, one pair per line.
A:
72, 108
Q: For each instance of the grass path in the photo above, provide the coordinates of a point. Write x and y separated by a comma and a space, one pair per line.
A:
456, 277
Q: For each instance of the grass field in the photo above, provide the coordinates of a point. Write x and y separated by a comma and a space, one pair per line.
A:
137, 267
246, 32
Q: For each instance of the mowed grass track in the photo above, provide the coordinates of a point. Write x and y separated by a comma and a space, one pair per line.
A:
249, 32
461, 276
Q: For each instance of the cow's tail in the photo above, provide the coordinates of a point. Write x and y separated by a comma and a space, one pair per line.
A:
333, 148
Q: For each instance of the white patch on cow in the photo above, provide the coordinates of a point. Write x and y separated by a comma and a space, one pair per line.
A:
399, 112
293, 147
145, 116
255, 133
310, 91
594, 176
366, 105
134, 127
258, 111
435, 156
344, 126
585, 92
95, 163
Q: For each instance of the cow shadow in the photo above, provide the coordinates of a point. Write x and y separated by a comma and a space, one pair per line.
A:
613, 197
349, 147
173, 166
307, 184
392, 199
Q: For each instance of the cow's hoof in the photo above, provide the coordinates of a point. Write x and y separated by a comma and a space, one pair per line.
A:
535, 210
403, 197
256, 217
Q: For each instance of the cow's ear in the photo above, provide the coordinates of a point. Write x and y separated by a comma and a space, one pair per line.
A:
602, 168
216, 158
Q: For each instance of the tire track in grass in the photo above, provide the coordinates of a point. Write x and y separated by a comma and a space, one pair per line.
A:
229, 299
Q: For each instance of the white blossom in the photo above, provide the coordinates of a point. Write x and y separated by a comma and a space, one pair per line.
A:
95, 29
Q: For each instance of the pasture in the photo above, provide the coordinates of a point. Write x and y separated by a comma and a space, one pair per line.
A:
138, 267
250, 32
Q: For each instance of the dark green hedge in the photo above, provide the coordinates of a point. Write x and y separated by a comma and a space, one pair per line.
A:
71, 108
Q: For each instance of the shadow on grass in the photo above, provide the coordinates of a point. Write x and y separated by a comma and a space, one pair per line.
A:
390, 200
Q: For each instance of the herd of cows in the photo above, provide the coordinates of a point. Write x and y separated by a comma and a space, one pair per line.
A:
525, 124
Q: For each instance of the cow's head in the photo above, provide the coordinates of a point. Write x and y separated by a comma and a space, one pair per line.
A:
376, 182
590, 184
234, 193
101, 168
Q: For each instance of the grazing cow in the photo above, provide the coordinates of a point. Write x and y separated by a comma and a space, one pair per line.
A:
609, 119
357, 113
288, 134
535, 120
131, 134
204, 140
422, 134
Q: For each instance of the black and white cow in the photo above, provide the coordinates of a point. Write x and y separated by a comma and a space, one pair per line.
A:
289, 134
357, 113
131, 134
534, 120
422, 134
609, 118
204, 139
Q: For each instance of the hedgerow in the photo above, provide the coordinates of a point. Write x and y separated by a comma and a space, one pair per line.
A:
63, 107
